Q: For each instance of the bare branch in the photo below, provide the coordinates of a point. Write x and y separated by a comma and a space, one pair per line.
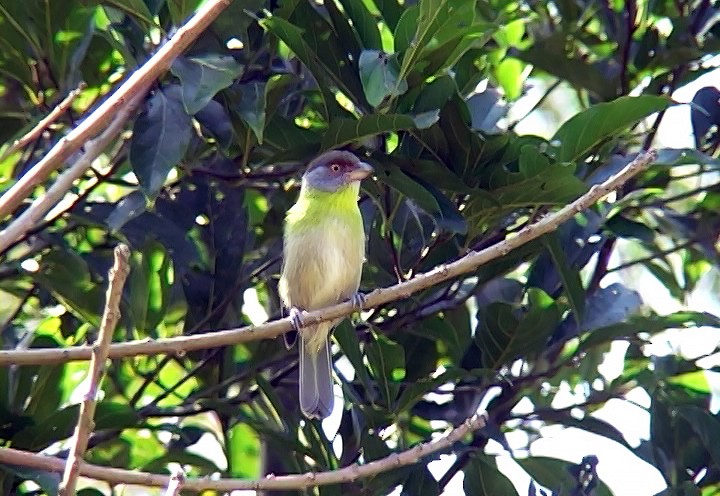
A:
269, 483
177, 482
85, 425
381, 296
101, 117
35, 212
44, 123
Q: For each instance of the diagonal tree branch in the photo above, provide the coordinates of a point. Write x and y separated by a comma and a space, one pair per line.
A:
85, 425
30, 217
380, 296
270, 483
103, 115
44, 123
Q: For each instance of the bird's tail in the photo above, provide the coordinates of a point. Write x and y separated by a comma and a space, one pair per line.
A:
316, 387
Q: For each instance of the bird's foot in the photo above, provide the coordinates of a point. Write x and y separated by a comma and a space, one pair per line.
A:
296, 319
358, 301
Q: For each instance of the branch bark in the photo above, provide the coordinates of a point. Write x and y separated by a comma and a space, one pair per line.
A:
468, 263
42, 205
44, 123
85, 425
102, 116
269, 483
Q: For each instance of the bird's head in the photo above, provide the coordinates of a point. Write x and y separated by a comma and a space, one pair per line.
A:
334, 170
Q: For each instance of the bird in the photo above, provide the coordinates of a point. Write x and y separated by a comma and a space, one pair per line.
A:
323, 256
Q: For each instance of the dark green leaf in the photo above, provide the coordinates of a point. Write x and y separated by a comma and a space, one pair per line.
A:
344, 131
482, 478
252, 107
570, 276
387, 364
203, 76
364, 23
706, 426
161, 135
180, 10
350, 345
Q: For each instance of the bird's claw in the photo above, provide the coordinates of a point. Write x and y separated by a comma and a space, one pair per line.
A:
358, 301
296, 318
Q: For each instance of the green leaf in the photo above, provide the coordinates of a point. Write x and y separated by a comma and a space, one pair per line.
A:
503, 334
294, 37
214, 118
203, 76
394, 177
406, 28
438, 22
420, 482
387, 364
344, 131
60, 424
244, 452
251, 107
627, 228
549, 54
350, 345
706, 426
161, 135
379, 74
570, 276
364, 23
482, 478
510, 76
150, 285
180, 10
582, 132
416, 390
49, 482
67, 276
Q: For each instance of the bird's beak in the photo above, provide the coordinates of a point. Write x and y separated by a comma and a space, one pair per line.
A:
359, 173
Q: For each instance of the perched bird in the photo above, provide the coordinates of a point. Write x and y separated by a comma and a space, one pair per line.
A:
323, 254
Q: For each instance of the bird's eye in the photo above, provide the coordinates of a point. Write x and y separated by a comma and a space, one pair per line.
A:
334, 167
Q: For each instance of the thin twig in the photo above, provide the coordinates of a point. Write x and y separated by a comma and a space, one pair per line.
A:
44, 123
141, 79
380, 296
85, 425
177, 482
269, 483
42, 205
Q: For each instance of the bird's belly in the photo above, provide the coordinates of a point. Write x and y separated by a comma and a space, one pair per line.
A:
322, 265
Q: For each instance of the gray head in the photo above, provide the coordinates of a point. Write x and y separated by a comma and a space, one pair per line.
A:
334, 170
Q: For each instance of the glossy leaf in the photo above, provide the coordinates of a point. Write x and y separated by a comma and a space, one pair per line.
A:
202, 77
483, 478
585, 130
161, 135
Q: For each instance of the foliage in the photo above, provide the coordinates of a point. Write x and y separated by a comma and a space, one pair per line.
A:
431, 92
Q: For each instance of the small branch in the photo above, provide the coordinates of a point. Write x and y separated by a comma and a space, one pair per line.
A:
35, 132
269, 330
42, 205
654, 256
103, 115
269, 483
85, 425
177, 481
